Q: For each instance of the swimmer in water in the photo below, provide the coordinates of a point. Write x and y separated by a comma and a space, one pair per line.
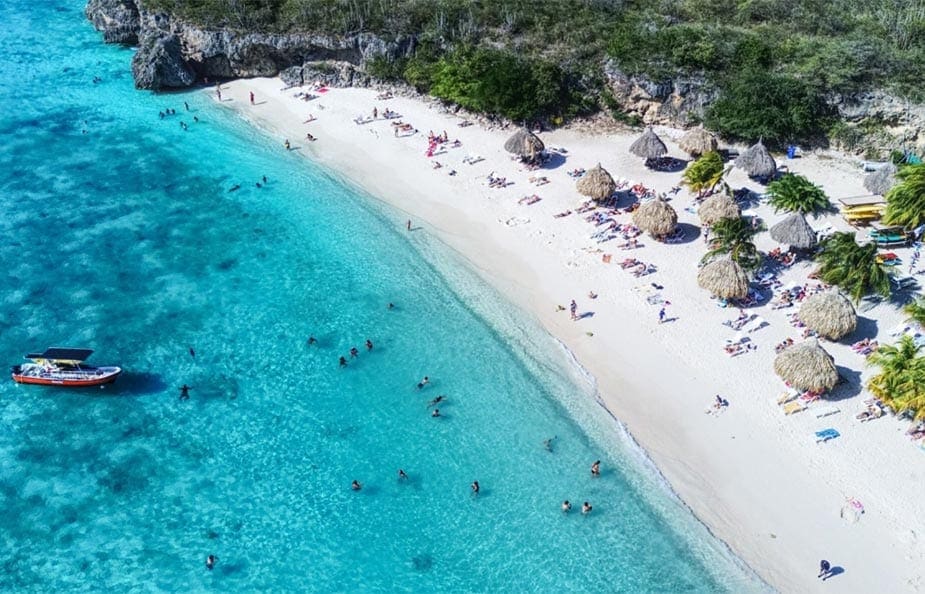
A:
343, 361
234, 188
475, 487
210, 562
401, 475
184, 392
354, 352
437, 400
586, 508
192, 353
390, 306
423, 382
596, 468
356, 486
312, 340
264, 178
566, 506
287, 145
258, 185
436, 413
369, 345
547, 443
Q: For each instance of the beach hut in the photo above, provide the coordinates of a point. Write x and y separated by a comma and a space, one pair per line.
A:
648, 146
807, 366
698, 141
724, 278
881, 181
795, 232
656, 217
524, 143
829, 314
716, 208
757, 162
596, 183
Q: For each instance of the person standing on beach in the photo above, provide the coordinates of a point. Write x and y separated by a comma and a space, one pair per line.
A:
408, 225
573, 307
661, 316
218, 92
825, 570
252, 97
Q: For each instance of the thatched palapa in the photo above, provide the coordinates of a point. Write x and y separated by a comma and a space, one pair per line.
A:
829, 314
795, 232
881, 181
698, 141
596, 183
524, 143
724, 278
656, 217
718, 207
648, 146
756, 161
807, 366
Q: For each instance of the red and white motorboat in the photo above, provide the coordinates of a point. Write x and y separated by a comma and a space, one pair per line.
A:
59, 366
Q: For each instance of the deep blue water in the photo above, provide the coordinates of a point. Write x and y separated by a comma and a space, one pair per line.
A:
120, 234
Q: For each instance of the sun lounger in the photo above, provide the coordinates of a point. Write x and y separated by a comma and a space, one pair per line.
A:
826, 411
787, 396
826, 434
792, 407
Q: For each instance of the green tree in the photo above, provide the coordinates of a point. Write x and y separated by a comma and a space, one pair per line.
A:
795, 193
905, 202
734, 237
852, 267
704, 173
916, 311
901, 381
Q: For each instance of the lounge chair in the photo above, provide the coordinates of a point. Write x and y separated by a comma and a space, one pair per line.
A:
826, 411
794, 406
826, 435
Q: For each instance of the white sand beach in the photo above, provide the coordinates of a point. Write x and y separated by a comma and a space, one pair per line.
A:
756, 477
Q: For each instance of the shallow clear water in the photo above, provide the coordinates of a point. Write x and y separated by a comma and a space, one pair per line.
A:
120, 234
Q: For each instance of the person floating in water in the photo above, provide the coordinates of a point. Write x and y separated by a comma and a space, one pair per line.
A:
312, 341
437, 400
423, 382
264, 178
210, 562
192, 353
196, 119
436, 413
343, 361
356, 486
586, 508
186, 105
475, 487
390, 305
547, 443
369, 345
184, 392
354, 352
234, 188
566, 506
596, 468
401, 475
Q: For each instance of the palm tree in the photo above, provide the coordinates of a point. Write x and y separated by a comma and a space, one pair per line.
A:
916, 311
705, 173
905, 202
734, 237
852, 267
795, 193
901, 381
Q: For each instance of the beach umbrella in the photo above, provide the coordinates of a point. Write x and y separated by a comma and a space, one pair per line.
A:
829, 314
795, 232
756, 161
724, 278
698, 141
656, 217
648, 146
718, 207
880, 181
524, 143
596, 183
807, 366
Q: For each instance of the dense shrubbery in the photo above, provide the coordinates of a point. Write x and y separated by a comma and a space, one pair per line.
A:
807, 49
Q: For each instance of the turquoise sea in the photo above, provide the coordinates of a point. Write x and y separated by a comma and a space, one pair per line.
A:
120, 234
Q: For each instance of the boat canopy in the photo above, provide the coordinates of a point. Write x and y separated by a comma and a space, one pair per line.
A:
63, 354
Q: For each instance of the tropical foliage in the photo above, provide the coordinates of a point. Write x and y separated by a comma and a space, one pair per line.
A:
795, 193
905, 202
734, 237
901, 381
852, 267
704, 173
916, 311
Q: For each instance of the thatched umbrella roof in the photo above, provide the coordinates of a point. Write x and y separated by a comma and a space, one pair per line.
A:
698, 141
524, 143
724, 278
656, 217
795, 232
829, 314
756, 161
596, 183
649, 145
807, 366
718, 207
880, 181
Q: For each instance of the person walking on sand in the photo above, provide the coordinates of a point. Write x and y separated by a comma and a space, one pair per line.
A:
573, 308
252, 97
661, 316
825, 570
218, 92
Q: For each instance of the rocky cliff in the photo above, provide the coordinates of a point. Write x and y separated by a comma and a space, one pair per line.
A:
175, 54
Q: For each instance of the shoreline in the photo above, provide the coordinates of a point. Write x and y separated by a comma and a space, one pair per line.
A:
752, 476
